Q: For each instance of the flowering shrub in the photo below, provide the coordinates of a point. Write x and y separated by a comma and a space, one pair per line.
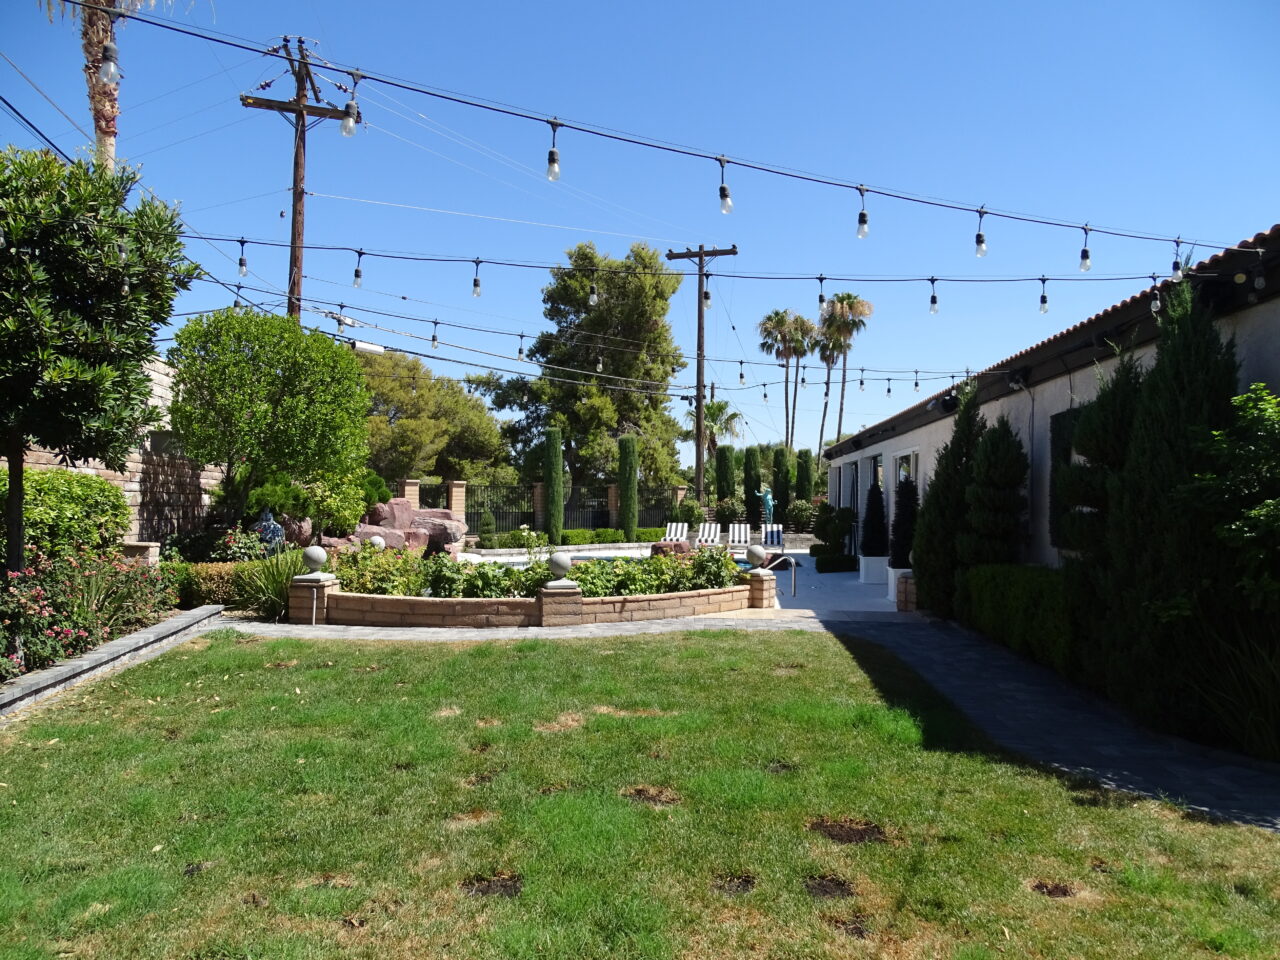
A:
394, 572
61, 607
64, 510
236, 544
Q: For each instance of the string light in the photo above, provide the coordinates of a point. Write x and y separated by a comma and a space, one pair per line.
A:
109, 73
864, 221
917, 387
243, 267
804, 382
1155, 294
553, 155
599, 364
888, 389
742, 376
706, 300
933, 294
822, 298
1044, 295
1086, 263
1176, 273
238, 304
766, 395
594, 296
520, 353
1, 238
475, 281
357, 279
435, 335
726, 201
350, 114
862, 378
980, 239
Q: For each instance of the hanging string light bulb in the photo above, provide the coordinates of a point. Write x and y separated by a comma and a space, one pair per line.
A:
864, 221
520, 352
1175, 274
1044, 295
435, 335
553, 155
475, 282
706, 300
1259, 277
804, 382
238, 304
599, 363
357, 279
243, 267
980, 238
593, 297
917, 384
888, 390
1155, 294
109, 73
766, 393
726, 201
933, 294
822, 298
1086, 263
862, 381
742, 376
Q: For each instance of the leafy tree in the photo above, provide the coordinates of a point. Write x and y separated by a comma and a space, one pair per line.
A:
995, 498
804, 474
628, 487
553, 484
845, 319
261, 396
751, 483
934, 552
718, 422
85, 282
875, 533
781, 482
726, 476
632, 299
906, 506
420, 425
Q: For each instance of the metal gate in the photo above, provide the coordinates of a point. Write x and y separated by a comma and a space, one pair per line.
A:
511, 506
654, 506
587, 508
432, 496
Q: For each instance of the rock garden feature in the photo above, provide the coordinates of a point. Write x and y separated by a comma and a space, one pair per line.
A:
401, 524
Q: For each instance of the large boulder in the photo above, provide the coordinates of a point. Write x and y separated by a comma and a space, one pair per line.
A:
297, 532
401, 524
379, 515
390, 536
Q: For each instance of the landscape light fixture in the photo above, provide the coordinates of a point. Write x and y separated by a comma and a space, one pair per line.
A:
350, 115
864, 221
1155, 294
109, 72
1175, 274
357, 279
726, 201
980, 238
244, 264
553, 155
1044, 295
475, 281
1086, 263
933, 294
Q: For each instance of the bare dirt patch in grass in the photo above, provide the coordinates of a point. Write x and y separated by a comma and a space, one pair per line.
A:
616, 712
853, 926
471, 818
447, 712
848, 830
653, 796
828, 886
779, 766
196, 867
1053, 889
488, 722
282, 664
734, 884
787, 669
481, 778
501, 884
335, 881
483, 747
566, 721
254, 899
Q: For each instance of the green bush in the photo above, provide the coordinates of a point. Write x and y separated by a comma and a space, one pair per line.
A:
606, 535
488, 524
781, 484
522, 540
396, 571
209, 583
835, 563
628, 485
650, 534
1022, 607
831, 525
800, 515
906, 506
875, 534
235, 545
726, 475
730, 509
262, 586
375, 489
553, 483
824, 550
751, 483
804, 475
576, 537
690, 511
64, 511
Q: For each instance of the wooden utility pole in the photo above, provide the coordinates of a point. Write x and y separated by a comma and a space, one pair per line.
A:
702, 255
302, 111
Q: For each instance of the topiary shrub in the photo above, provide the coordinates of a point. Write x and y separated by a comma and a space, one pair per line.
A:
835, 563
375, 490
729, 510
209, 583
628, 486
832, 526
1024, 608
800, 516
781, 482
726, 475
64, 510
751, 485
576, 537
875, 535
906, 505
804, 475
650, 534
488, 531
995, 499
553, 483
690, 511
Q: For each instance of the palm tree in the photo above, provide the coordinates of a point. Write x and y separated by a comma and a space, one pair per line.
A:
828, 347
718, 421
846, 318
802, 336
775, 338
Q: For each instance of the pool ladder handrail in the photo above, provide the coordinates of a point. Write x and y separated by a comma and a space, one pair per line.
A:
777, 561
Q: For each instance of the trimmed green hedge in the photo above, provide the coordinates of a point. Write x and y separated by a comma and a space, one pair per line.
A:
1022, 607
64, 510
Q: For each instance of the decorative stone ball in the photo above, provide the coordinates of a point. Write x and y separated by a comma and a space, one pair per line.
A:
756, 555
314, 558
559, 564
377, 543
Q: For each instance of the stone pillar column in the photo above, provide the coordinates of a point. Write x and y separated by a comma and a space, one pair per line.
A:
539, 507
763, 588
455, 499
560, 606
678, 493
614, 511
409, 490
309, 597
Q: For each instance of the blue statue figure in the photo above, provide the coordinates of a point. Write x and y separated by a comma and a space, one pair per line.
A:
272, 533
767, 498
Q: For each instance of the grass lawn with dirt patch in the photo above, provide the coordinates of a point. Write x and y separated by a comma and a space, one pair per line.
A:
698, 795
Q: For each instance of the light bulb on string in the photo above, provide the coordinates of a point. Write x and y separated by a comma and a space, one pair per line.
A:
475, 281
243, 267
766, 395
1175, 273
553, 155
1259, 277
706, 300
917, 384
822, 297
1155, 294
1044, 295
350, 116
238, 304
933, 294
980, 238
109, 72
1086, 263
888, 390
599, 364
520, 352
742, 377
594, 296
862, 381
864, 221
435, 335
357, 279
804, 382
726, 201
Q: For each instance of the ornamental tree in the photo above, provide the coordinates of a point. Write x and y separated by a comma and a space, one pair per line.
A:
85, 282
257, 394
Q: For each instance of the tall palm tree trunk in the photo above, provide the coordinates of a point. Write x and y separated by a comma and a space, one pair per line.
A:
844, 380
97, 28
795, 406
786, 392
826, 402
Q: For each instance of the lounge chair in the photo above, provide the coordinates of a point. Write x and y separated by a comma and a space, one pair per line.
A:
739, 538
708, 535
772, 538
676, 532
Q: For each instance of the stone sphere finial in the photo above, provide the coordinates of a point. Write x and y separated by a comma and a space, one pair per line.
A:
314, 558
559, 563
756, 555
377, 542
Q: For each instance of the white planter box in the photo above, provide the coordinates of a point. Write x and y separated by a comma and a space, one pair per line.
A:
872, 569
894, 574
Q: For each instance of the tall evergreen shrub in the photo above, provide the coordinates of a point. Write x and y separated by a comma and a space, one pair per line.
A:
995, 499
628, 492
726, 476
781, 483
553, 483
875, 534
906, 506
804, 474
751, 483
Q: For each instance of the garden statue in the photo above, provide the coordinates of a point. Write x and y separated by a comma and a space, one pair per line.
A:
766, 497
272, 533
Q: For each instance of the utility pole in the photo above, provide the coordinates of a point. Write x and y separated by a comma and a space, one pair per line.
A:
302, 111
702, 255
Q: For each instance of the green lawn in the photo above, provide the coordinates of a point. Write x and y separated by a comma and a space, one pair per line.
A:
621, 798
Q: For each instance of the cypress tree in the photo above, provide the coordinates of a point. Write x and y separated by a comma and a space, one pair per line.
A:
934, 558
628, 492
875, 535
804, 475
553, 483
726, 480
906, 506
995, 499
751, 483
781, 483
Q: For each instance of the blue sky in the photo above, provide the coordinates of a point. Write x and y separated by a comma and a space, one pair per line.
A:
1143, 116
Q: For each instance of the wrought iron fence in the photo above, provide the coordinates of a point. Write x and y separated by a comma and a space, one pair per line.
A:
586, 508
654, 506
432, 496
511, 506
